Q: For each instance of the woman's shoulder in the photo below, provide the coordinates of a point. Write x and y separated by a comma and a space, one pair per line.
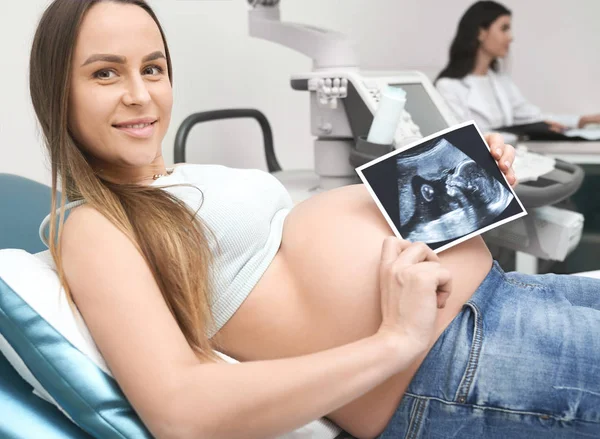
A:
448, 81
89, 239
450, 86
84, 222
92, 245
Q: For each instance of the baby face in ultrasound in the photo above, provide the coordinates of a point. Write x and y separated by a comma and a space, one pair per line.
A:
444, 194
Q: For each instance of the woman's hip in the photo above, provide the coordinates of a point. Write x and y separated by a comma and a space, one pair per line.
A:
524, 353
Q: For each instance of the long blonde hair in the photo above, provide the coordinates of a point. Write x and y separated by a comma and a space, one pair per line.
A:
168, 235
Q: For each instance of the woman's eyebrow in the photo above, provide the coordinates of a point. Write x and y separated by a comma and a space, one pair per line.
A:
105, 57
154, 55
120, 59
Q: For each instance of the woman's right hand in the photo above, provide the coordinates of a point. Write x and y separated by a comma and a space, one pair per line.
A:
413, 286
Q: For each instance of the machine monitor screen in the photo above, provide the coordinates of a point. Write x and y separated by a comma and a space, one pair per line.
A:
422, 109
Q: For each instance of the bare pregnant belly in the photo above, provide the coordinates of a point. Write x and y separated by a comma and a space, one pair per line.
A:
321, 292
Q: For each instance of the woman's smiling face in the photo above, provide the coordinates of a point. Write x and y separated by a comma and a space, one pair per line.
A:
120, 96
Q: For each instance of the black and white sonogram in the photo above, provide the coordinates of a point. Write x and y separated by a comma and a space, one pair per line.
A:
443, 189
445, 194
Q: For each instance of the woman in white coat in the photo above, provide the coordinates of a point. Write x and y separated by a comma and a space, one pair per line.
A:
472, 84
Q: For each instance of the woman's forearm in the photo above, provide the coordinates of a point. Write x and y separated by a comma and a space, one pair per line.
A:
267, 398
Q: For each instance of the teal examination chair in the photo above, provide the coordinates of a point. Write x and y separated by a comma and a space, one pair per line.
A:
23, 205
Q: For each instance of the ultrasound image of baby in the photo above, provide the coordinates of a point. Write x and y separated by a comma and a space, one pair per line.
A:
443, 194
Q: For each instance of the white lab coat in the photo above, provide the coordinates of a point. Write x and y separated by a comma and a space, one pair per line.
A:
467, 101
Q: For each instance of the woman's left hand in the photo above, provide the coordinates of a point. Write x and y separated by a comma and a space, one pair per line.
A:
590, 118
504, 155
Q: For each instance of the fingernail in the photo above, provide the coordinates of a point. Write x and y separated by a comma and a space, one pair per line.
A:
498, 151
507, 164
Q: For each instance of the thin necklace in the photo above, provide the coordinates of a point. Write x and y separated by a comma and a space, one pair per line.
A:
157, 176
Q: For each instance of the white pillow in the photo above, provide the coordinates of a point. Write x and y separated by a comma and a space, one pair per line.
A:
34, 279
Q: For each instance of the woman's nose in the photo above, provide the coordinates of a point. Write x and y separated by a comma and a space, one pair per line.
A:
136, 92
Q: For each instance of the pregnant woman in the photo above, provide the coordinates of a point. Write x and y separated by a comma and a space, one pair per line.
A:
328, 314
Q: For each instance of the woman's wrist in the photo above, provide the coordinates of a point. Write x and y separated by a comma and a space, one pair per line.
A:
403, 350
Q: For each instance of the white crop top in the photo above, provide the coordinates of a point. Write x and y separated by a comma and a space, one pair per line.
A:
244, 210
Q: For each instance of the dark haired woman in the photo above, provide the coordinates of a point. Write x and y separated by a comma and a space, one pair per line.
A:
474, 85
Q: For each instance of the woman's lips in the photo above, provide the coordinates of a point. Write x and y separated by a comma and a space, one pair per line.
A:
141, 131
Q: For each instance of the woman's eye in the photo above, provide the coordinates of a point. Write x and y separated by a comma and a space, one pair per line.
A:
153, 70
104, 74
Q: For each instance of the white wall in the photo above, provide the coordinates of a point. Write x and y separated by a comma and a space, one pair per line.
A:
20, 144
554, 60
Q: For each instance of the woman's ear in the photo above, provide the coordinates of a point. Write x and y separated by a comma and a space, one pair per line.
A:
482, 35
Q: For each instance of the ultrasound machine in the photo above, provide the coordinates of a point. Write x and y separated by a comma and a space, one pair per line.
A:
343, 101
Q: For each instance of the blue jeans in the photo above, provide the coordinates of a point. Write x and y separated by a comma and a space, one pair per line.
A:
521, 360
